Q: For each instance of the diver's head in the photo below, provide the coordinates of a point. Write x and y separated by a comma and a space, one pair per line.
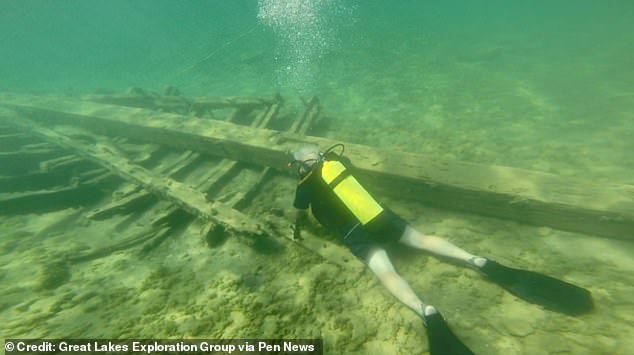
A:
305, 157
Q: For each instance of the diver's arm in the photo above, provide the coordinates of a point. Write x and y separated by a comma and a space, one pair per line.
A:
301, 217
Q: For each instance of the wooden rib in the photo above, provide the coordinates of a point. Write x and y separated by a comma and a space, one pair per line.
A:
311, 114
238, 112
45, 183
130, 197
247, 196
222, 175
19, 163
159, 227
121, 205
311, 111
76, 189
263, 120
172, 165
60, 162
35, 181
127, 243
28, 152
228, 168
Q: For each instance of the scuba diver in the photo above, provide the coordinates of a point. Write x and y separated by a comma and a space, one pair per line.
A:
341, 204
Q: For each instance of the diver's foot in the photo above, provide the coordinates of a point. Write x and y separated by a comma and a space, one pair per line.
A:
548, 292
477, 262
442, 341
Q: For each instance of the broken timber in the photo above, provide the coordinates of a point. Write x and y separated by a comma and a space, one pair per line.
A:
524, 196
142, 99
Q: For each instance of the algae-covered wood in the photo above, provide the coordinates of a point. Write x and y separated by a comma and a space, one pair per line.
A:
140, 98
567, 203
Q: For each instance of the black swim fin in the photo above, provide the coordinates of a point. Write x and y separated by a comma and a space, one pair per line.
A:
550, 293
442, 341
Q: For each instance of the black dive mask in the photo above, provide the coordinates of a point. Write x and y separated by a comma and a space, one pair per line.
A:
306, 166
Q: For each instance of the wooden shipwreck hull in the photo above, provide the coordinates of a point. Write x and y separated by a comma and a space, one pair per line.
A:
208, 158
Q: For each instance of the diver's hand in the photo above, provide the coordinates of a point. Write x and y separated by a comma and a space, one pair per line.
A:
297, 233
301, 216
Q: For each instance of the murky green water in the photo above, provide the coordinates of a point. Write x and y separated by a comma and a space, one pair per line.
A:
542, 85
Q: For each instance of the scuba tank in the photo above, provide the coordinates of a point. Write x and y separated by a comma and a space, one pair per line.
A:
354, 196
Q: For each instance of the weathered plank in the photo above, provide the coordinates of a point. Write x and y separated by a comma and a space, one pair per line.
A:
130, 198
142, 99
77, 191
567, 203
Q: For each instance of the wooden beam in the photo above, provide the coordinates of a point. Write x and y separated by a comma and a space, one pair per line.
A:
568, 203
147, 100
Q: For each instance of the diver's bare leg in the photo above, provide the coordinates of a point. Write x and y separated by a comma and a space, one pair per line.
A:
439, 246
380, 264
440, 337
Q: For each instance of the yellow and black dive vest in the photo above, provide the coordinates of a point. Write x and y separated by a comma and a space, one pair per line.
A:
349, 191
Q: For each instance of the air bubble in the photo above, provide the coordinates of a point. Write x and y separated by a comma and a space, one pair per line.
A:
305, 31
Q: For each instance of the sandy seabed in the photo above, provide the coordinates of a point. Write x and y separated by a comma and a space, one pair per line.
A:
184, 289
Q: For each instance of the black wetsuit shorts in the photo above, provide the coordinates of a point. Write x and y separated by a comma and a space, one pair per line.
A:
383, 230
